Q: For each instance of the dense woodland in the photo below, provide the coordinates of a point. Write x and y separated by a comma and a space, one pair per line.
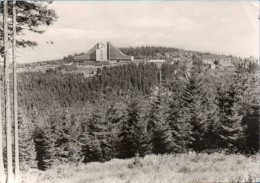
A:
123, 111
147, 51
40, 90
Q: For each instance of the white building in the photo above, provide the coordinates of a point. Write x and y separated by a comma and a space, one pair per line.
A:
158, 62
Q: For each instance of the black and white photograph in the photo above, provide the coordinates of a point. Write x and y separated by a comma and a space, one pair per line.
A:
120, 91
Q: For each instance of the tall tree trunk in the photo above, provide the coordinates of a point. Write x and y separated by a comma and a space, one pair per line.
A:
2, 171
7, 99
15, 112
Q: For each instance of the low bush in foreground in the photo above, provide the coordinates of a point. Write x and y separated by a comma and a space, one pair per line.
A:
190, 167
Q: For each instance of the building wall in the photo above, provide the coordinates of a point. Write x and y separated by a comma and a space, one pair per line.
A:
208, 60
81, 57
101, 52
92, 55
116, 54
223, 60
212, 66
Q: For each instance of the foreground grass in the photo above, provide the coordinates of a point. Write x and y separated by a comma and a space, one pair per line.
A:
189, 167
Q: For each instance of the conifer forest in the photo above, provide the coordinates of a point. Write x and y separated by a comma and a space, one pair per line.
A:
125, 110
177, 100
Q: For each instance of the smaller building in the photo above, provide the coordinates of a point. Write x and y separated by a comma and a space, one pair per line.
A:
220, 61
176, 58
158, 62
158, 55
250, 60
211, 66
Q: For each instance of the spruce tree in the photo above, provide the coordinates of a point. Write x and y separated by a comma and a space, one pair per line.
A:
210, 102
74, 132
133, 135
180, 126
231, 130
32, 17
44, 148
200, 107
158, 126
27, 150
46, 142
114, 116
195, 110
141, 138
96, 131
125, 144
91, 149
162, 141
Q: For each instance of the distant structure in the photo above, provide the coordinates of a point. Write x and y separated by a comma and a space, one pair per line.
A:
252, 59
248, 61
158, 62
217, 61
104, 52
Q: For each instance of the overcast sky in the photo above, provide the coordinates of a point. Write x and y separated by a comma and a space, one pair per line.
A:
226, 27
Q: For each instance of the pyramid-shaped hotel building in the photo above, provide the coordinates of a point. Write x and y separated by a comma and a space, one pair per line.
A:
104, 52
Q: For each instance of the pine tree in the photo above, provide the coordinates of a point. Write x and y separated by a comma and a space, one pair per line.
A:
158, 126
154, 107
200, 107
44, 148
27, 150
212, 112
31, 16
74, 132
65, 131
91, 149
97, 130
249, 102
125, 145
114, 116
179, 124
162, 141
45, 142
193, 106
231, 130
65, 141
141, 138
133, 135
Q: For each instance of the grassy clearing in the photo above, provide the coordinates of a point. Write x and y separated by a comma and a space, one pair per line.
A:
189, 167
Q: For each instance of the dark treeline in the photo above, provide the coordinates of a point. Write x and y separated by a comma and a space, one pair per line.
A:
147, 51
202, 112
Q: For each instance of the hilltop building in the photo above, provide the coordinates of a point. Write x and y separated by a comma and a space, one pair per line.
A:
247, 61
158, 62
104, 52
252, 59
217, 61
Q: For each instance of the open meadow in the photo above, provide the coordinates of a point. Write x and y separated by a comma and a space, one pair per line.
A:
190, 167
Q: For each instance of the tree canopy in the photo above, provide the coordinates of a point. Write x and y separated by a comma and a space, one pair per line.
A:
32, 16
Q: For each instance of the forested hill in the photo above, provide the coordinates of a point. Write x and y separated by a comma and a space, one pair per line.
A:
114, 114
38, 90
147, 51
